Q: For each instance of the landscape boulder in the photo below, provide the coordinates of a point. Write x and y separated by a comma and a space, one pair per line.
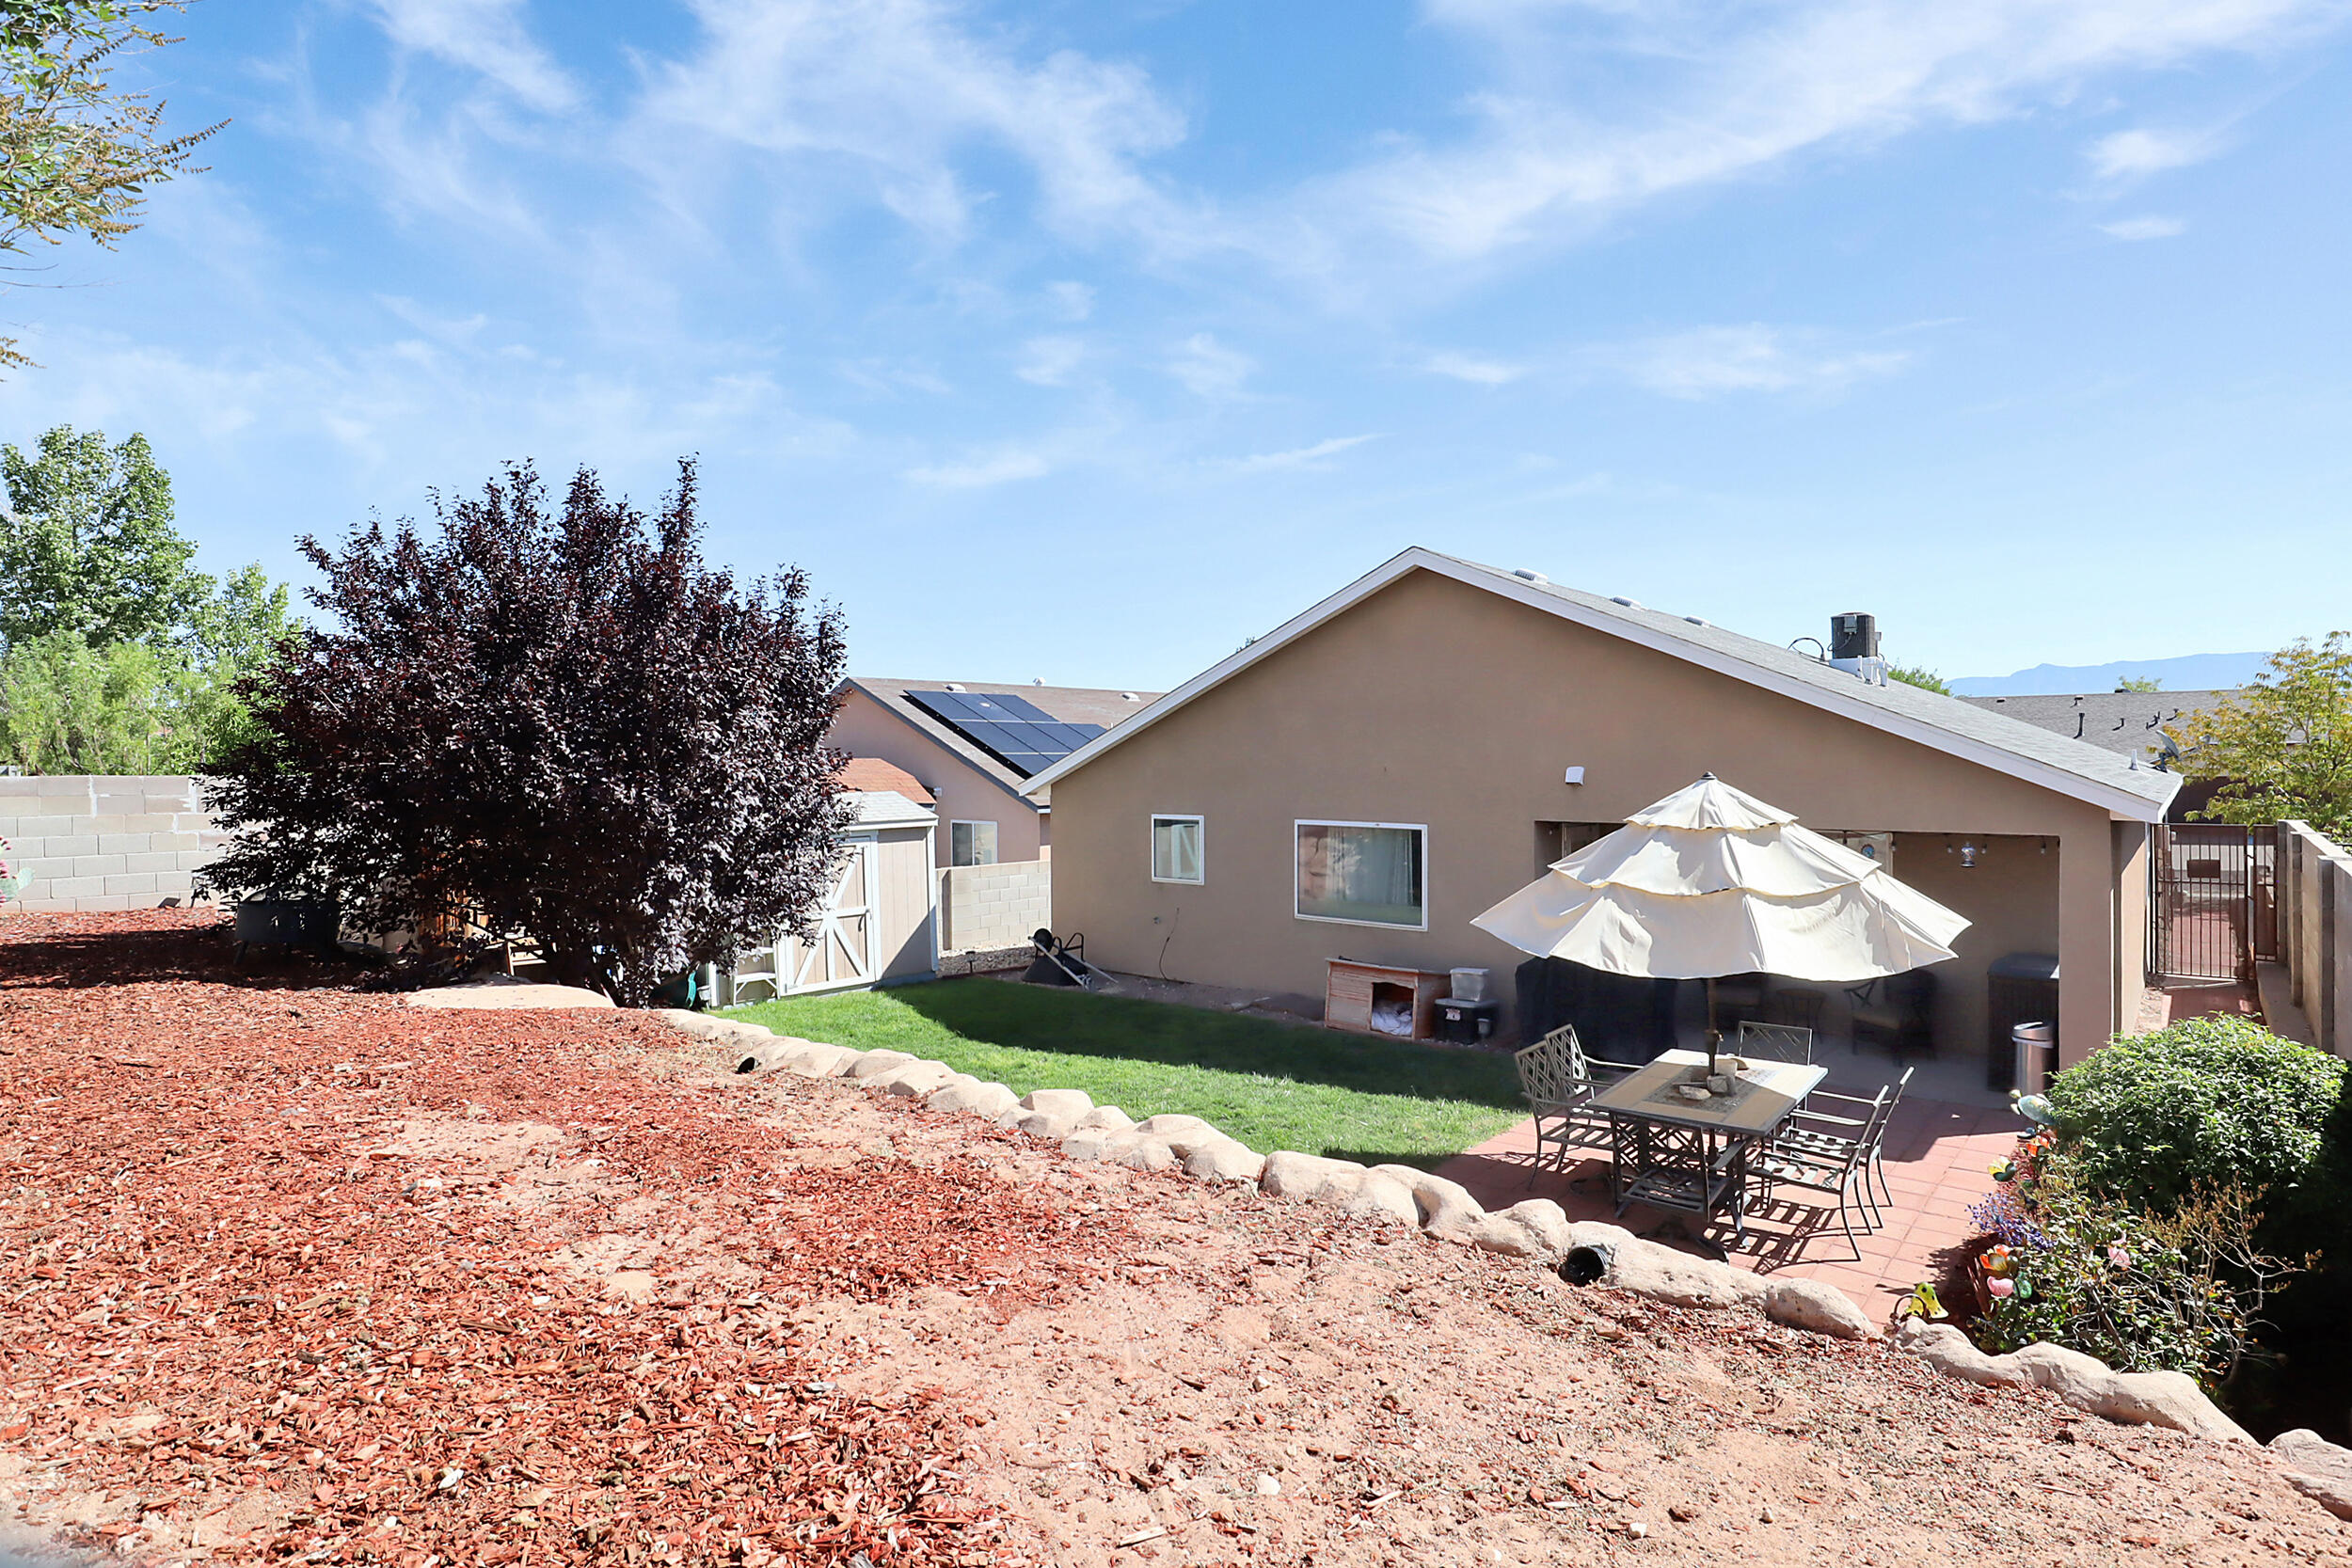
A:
1223, 1159
1310, 1178
709, 1026
1381, 1197
914, 1080
2144, 1398
1071, 1105
976, 1096
1108, 1118
1536, 1227
2317, 1468
1180, 1133
816, 1060
1137, 1151
875, 1062
1816, 1309
1445, 1206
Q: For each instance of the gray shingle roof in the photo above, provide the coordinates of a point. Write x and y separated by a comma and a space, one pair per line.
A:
1955, 716
1071, 705
2109, 778
2131, 724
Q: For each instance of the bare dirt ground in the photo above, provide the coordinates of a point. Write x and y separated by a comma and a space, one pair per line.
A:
292, 1273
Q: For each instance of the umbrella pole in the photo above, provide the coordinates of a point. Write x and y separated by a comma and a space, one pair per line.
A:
1715, 1036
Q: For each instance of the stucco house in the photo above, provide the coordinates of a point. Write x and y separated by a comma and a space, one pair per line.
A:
973, 746
1363, 780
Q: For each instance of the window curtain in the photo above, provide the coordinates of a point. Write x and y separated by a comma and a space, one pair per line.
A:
1368, 874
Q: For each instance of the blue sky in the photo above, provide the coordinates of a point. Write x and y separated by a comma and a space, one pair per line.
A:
1082, 340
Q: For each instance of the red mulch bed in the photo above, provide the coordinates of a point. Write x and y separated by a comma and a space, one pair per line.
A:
209, 1288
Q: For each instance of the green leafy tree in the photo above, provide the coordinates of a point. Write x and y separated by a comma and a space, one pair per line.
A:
77, 153
88, 544
115, 656
2284, 744
1925, 679
2140, 683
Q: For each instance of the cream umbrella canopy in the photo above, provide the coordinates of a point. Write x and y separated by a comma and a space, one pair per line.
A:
1711, 882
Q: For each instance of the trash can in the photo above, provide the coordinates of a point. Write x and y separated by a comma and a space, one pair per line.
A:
2036, 1058
1470, 984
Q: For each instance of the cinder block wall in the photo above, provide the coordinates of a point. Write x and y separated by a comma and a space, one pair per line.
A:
993, 906
2315, 930
106, 843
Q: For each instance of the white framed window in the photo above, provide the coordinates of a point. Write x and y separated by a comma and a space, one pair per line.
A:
1176, 849
971, 844
1365, 873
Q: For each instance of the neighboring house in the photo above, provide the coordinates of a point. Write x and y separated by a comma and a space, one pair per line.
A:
1362, 781
2131, 724
880, 922
974, 746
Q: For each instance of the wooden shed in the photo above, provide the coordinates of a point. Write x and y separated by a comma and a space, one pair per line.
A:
880, 925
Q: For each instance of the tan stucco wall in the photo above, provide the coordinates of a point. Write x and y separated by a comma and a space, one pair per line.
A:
1433, 702
865, 728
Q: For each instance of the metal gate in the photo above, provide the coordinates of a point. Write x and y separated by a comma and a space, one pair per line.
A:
2213, 904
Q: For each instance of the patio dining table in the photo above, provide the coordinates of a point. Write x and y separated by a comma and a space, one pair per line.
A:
1692, 1155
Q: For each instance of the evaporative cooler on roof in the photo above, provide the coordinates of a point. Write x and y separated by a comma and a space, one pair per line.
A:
1013, 730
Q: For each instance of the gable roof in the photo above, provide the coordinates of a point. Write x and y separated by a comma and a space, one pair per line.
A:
887, 808
860, 775
2105, 778
2130, 723
1071, 705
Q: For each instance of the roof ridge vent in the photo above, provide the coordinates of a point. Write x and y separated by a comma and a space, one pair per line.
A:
951, 686
1630, 604
1129, 697
1524, 574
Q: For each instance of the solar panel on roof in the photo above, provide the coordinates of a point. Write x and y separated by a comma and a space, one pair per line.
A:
1013, 730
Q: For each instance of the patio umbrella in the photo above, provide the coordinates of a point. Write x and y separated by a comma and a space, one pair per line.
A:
1711, 882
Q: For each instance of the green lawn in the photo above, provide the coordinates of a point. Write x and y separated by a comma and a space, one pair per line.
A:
1272, 1086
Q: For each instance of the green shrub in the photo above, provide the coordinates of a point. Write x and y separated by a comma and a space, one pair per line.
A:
2212, 1101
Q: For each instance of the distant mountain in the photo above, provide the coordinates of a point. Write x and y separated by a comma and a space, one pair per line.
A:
2188, 673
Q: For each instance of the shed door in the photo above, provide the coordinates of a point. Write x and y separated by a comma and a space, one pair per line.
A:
842, 951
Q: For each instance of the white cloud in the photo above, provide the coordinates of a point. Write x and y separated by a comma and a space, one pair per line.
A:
1298, 457
406, 411
2129, 154
892, 94
1715, 360
2150, 228
1483, 372
1594, 105
1049, 361
1208, 369
1001, 467
486, 36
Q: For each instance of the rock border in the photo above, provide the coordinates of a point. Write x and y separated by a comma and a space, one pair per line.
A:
1581, 1252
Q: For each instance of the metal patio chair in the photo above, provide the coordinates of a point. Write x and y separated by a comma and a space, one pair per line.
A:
1820, 1153
1558, 1082
1774, 1042
1826, 1132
